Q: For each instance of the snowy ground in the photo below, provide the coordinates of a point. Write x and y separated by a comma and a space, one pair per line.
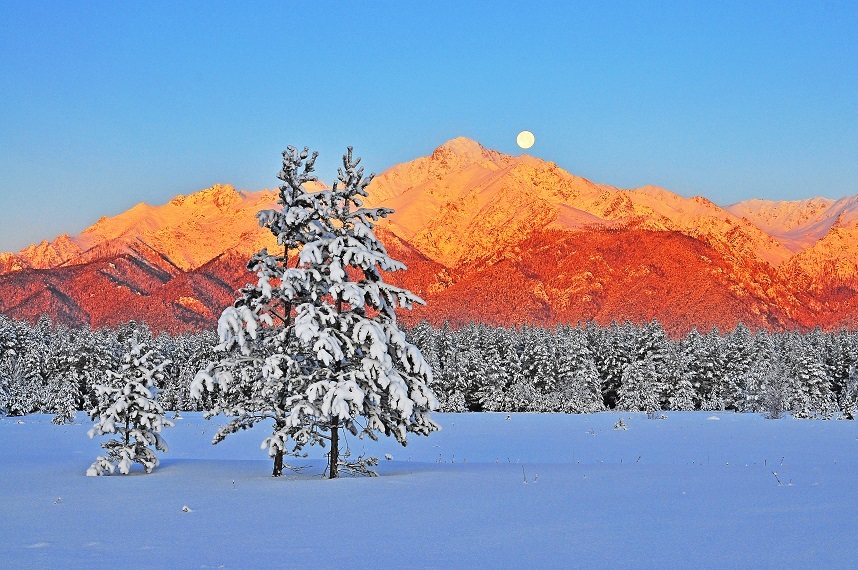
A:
687, 491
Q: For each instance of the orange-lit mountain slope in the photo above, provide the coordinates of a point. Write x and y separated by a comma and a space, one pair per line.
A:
486, 236
180, 231
823, 234
557, 277
799, 224
464, 202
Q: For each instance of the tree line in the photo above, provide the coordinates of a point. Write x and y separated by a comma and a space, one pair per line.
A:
55, 369
569, 369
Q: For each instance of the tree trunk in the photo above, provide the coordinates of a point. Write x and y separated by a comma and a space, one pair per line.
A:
278, 453
335, 428
335, 451
287, 305
278, 463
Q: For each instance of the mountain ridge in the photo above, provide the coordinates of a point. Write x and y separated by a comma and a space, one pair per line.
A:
462, 214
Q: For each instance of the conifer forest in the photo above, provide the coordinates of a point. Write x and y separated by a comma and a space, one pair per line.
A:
53, 369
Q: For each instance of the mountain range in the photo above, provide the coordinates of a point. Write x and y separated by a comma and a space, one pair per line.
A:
487, 237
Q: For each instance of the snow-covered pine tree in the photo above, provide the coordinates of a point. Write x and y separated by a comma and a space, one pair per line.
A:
177, 350
9, 342
495, 377
448, 385
32, 393
260, 363
713, 390
62, 375
613, 354
511, 351
102, 350
811, 393
5, 374
578, 384
472, 375
66, 397
366, 368
501, 358
775, 389
753, 388
640, 387
698, 358
536, 359
127, 407
203, 353
849, 394
738, 361
651, 342
13, 383
678, 392
839, 359
523, 396
318, 344
477, 365
425, 337
8, 355
188, 354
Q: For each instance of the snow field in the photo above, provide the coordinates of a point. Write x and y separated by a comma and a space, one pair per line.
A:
686, 491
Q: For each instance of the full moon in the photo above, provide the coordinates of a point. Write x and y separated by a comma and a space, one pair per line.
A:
525, 139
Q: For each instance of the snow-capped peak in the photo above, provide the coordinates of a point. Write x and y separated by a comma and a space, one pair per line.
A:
463, 147
464, 202
799, 224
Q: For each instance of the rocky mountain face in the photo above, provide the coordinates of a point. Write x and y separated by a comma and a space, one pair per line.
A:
486, 236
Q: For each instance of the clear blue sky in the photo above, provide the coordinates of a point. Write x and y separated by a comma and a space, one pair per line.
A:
103, 105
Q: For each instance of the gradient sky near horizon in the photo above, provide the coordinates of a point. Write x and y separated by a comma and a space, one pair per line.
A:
106, 104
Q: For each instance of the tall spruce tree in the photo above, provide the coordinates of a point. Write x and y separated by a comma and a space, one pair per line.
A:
4, 383
849, 395
613, 354
839, 358
578, 387
738, 361
16, 386
640, 389
62, 378
775, 388
811, 387
315, 346
495, 369
677, 390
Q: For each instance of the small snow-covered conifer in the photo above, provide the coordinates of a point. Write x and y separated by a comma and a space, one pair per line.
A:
127, 407
65, 399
